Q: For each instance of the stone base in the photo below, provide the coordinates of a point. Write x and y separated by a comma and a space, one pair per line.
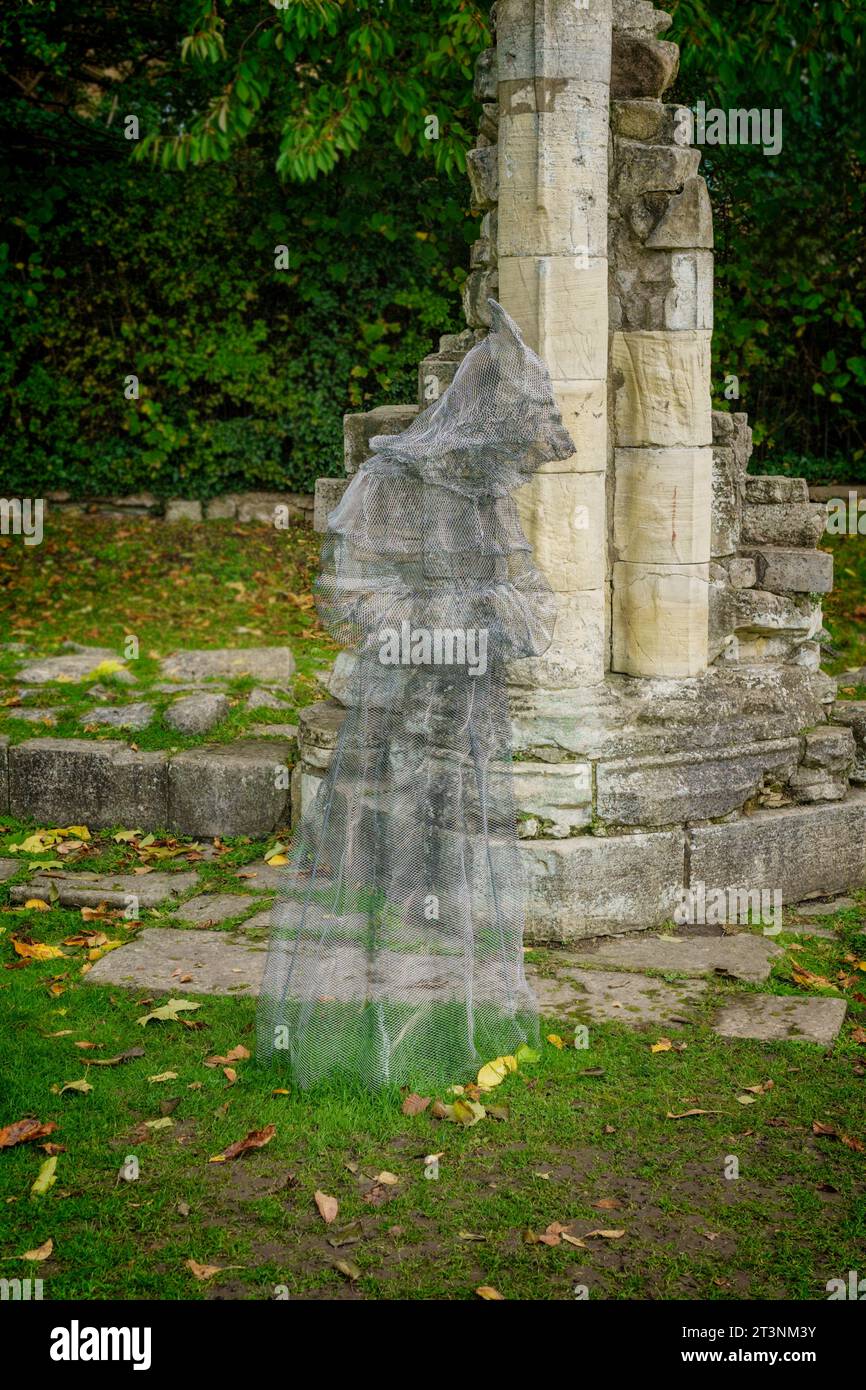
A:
685, 802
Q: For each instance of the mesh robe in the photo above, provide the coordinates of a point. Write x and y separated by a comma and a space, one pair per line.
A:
396, 946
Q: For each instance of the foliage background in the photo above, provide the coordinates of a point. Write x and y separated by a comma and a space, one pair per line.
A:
304, 126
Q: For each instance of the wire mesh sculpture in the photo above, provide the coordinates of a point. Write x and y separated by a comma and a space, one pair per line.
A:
396, 947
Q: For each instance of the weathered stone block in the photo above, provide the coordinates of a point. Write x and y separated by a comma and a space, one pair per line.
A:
766, 614
478, 287
811, 785
435, 375
563, 518
789, 524
806, 851
637, 119
662, 391
482, 166
559, 793
852, 713
561, 308
82, 889
568, 41
319, 727
68, 781
359, 429
686, 221
549, 200
197, 714
660, 619
793, 571
770, 489
486, 76
592, 885
178, 509
741, 956
223, 508
329, 492
238, 788
641, 66
576, 656
644, 168
662, 505
689, 302
663, 791
583, 406
4, 774
727, 507
742, 572
274, 508
829, 747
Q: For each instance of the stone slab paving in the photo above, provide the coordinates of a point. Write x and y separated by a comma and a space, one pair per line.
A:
259, 875
219, 962
824, 909
133, 716
75, 665
260, 922
614, 996
275, 664
209, 908
781, 1018
197, 714
45, 714
744, 955
159, 958
88, 890
807, 929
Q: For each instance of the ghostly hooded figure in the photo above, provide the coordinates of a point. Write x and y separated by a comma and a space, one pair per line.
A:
396, 947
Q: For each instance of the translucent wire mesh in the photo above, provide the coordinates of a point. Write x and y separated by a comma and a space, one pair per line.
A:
396, 947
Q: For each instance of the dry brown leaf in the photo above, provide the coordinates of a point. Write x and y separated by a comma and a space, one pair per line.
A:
41, 1253
25, 1131
328, 1206
237, 1054
256, 1139
415, 1104
203, 1271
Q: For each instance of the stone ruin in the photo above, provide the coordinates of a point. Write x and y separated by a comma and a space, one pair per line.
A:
679, 731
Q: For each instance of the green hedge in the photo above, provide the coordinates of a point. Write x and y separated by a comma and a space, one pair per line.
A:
244, 370
111, 267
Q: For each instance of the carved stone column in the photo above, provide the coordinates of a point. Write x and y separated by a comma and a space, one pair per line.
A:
553, 61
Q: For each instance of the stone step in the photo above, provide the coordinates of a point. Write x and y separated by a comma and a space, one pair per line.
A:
239, 788
744, 955
89, 890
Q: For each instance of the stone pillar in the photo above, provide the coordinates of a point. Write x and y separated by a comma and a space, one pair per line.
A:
553, 64
661, 322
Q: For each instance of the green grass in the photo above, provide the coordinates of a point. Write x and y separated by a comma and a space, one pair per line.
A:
96, 581
582, 1126
845, 608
